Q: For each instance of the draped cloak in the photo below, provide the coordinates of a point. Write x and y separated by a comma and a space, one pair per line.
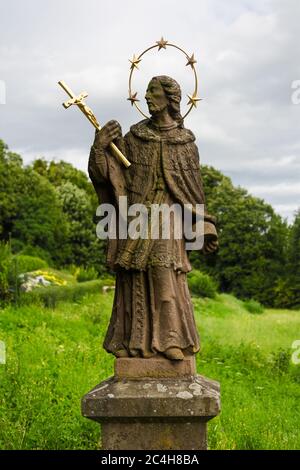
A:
152, 308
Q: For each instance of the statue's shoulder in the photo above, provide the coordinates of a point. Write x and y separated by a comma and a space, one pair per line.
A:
142, 130
183, 136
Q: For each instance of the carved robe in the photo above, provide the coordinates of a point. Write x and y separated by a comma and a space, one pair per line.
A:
152, 308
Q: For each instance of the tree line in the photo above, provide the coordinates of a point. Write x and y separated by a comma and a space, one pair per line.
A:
47, 209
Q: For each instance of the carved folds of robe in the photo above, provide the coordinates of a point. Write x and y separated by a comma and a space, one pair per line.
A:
152, 308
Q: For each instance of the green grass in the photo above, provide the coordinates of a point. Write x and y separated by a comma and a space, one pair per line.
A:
61, 274
54, 356
250, 356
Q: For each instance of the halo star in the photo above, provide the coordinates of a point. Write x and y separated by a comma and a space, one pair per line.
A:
162, 44
132, 98
193, 100
191, 60
134, 62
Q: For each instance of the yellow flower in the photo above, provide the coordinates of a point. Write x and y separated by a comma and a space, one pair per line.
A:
51, 278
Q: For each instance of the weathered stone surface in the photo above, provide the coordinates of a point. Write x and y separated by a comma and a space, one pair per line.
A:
152, 398
153, 413
152, 308
156, 367
154, 436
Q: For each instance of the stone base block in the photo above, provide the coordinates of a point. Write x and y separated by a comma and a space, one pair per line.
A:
153, 413
156, 367
154, 436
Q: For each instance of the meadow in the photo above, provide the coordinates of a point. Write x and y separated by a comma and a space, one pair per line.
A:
55, 356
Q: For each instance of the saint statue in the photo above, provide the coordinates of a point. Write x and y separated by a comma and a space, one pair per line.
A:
152, 311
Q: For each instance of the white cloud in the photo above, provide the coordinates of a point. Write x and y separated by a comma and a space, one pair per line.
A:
247, 52
280, 189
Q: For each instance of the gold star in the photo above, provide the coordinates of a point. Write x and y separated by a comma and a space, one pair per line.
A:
191, 61
132, 98
193, 100
134, 62
162, 44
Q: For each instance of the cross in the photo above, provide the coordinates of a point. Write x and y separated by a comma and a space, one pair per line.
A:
79, 101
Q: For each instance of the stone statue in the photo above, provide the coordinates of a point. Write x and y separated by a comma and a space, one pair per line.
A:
152, 311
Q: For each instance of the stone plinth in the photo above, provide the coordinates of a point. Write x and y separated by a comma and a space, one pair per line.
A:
157, 367
166, 410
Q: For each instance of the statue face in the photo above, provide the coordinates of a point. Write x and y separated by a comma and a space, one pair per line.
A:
156, 97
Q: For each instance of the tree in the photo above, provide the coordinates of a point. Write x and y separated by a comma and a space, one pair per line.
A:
290, 289
252, 237
51, 206
31, 212
79, 203
11, 172
58, 173
84, 248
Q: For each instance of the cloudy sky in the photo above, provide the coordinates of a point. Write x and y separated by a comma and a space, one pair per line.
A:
248, 56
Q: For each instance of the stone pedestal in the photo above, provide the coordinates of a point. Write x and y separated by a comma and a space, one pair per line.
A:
153, 404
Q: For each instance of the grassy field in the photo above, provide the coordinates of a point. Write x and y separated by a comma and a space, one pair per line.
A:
54, 356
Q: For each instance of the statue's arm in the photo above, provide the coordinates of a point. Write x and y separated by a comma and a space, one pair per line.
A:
97, 166
211, 243
105, 171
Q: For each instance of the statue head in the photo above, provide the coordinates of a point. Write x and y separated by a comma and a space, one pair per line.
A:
164, 93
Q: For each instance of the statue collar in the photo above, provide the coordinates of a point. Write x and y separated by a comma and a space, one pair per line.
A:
146, 131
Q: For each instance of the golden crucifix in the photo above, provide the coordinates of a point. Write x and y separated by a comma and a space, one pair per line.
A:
79, 101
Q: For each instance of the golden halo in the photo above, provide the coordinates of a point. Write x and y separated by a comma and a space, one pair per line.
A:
162, 44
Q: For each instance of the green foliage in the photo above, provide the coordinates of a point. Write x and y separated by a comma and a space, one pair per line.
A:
48, 209
294, 250
283, 295
5, 264
58, 173
60, 277
86, 274
287, 290
27, 264
293, 273
201, 284
79, 202
54, 357
83, 245
253, 306
281, 361
251, 357
253, 239
39, 220
50, 296
35, 251
30, 209
10, 176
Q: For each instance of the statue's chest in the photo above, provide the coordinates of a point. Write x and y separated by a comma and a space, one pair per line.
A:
146, 161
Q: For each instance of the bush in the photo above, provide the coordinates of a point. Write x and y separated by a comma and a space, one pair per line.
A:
253, 306
5, 263
201, 284
72, 269
37, 252
281, 361
50, 296
27, 264
86, 274
286, 295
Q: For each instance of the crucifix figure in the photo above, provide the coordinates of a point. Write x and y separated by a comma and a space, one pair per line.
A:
86, 110
152, 311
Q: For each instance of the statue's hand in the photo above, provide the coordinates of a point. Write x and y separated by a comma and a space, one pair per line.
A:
210, 245
110, 132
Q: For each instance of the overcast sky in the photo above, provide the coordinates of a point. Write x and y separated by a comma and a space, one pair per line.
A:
248, 55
